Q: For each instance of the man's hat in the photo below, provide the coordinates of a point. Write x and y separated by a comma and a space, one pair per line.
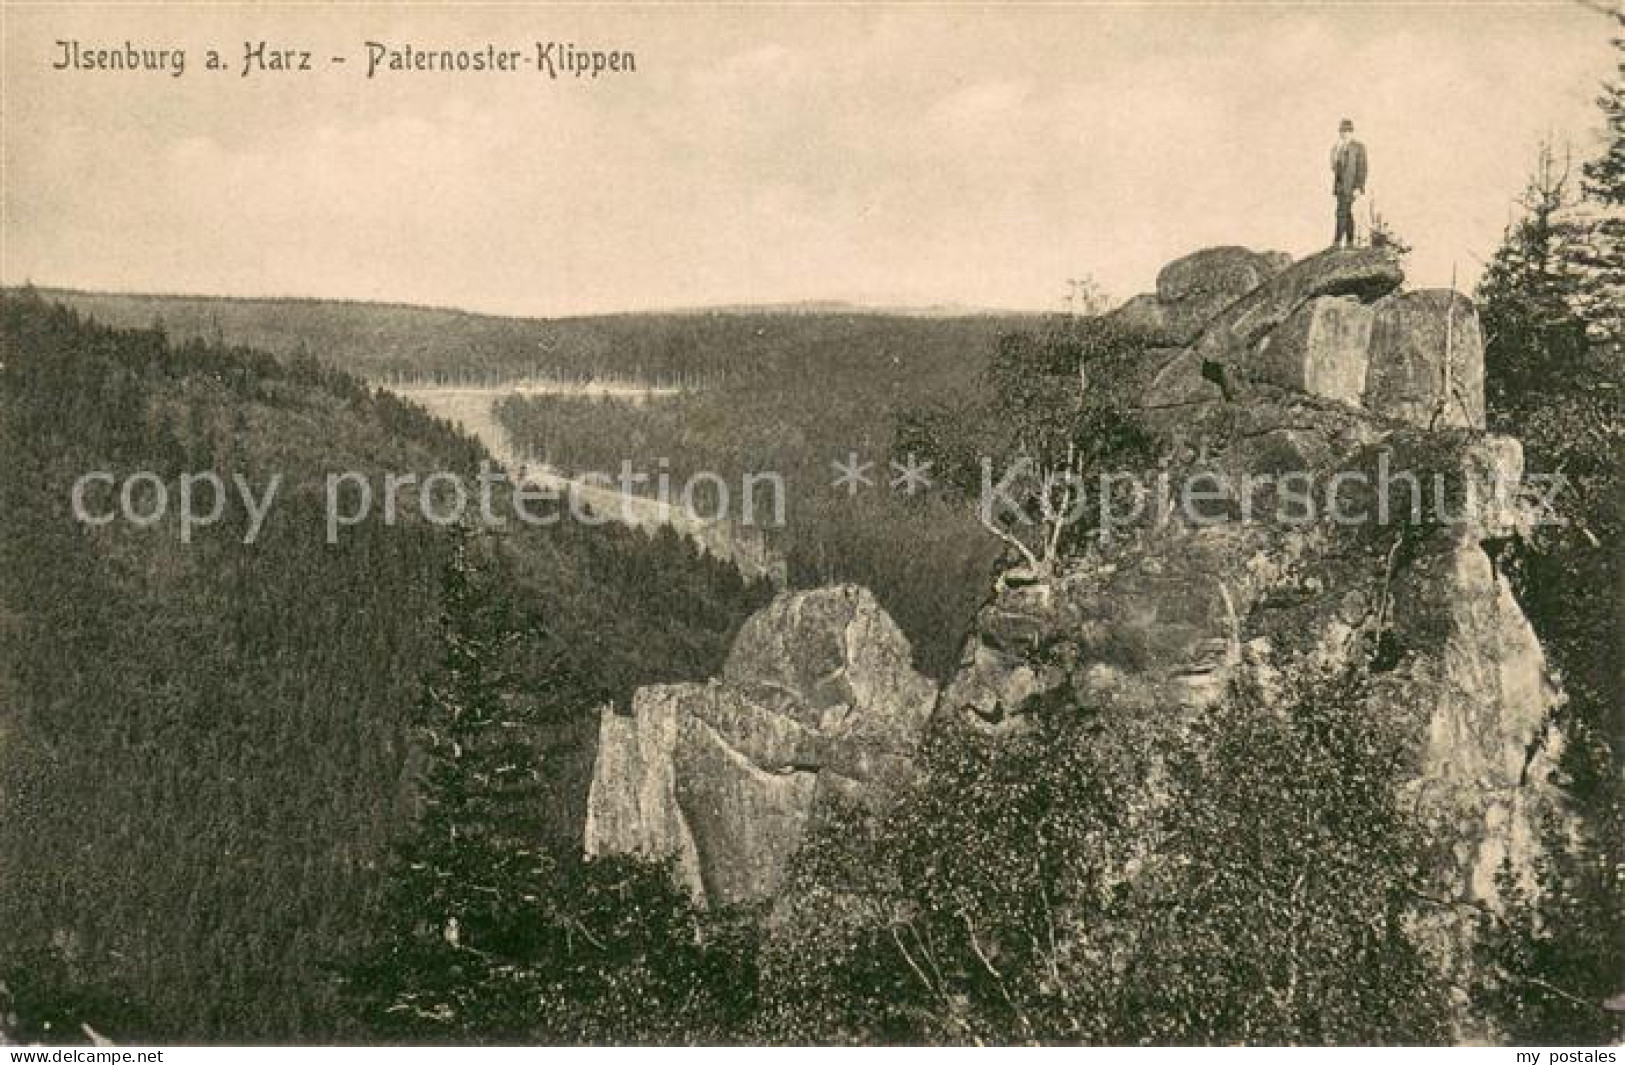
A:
1347, 126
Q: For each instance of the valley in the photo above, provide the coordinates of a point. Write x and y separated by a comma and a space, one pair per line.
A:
473, 409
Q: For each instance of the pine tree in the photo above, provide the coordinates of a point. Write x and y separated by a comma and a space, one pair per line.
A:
1594, 248
468, 910
1605, 175
1533, 339
1553, 298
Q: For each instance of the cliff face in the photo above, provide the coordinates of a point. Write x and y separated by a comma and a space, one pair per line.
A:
1354, 511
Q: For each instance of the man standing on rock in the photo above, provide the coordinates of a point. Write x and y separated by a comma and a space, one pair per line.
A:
1348, 181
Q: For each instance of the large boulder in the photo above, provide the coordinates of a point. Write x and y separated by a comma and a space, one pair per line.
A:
1333, 326
841, 661
1192, 290
1367, 274
817, 701
1225, 273
1426, 363
1322, 349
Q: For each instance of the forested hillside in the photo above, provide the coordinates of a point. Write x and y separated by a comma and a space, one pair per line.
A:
927, 561
204, 746
701, 348
787, 391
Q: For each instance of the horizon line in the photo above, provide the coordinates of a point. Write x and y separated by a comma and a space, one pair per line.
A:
811, 305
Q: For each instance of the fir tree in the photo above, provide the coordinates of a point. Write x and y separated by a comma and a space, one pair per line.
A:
1532, 337
1605, 175
467, 906
1594, 248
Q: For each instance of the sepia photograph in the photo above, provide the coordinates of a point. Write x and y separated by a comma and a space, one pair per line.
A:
805, 524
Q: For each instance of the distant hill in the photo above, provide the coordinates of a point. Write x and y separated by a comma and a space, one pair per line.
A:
933, 310
382, 341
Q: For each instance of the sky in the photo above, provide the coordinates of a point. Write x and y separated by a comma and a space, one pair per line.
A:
916, 154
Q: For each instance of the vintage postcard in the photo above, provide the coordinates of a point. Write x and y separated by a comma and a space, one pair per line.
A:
789, 524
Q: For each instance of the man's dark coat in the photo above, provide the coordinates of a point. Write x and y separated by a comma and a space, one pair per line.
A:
1348, 169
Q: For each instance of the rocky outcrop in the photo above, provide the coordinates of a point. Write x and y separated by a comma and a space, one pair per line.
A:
1161, 622
1365, 273
632, 800
1351, 513
1347, 507
1336, 326
817, 701
1346, 512
1163, 618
